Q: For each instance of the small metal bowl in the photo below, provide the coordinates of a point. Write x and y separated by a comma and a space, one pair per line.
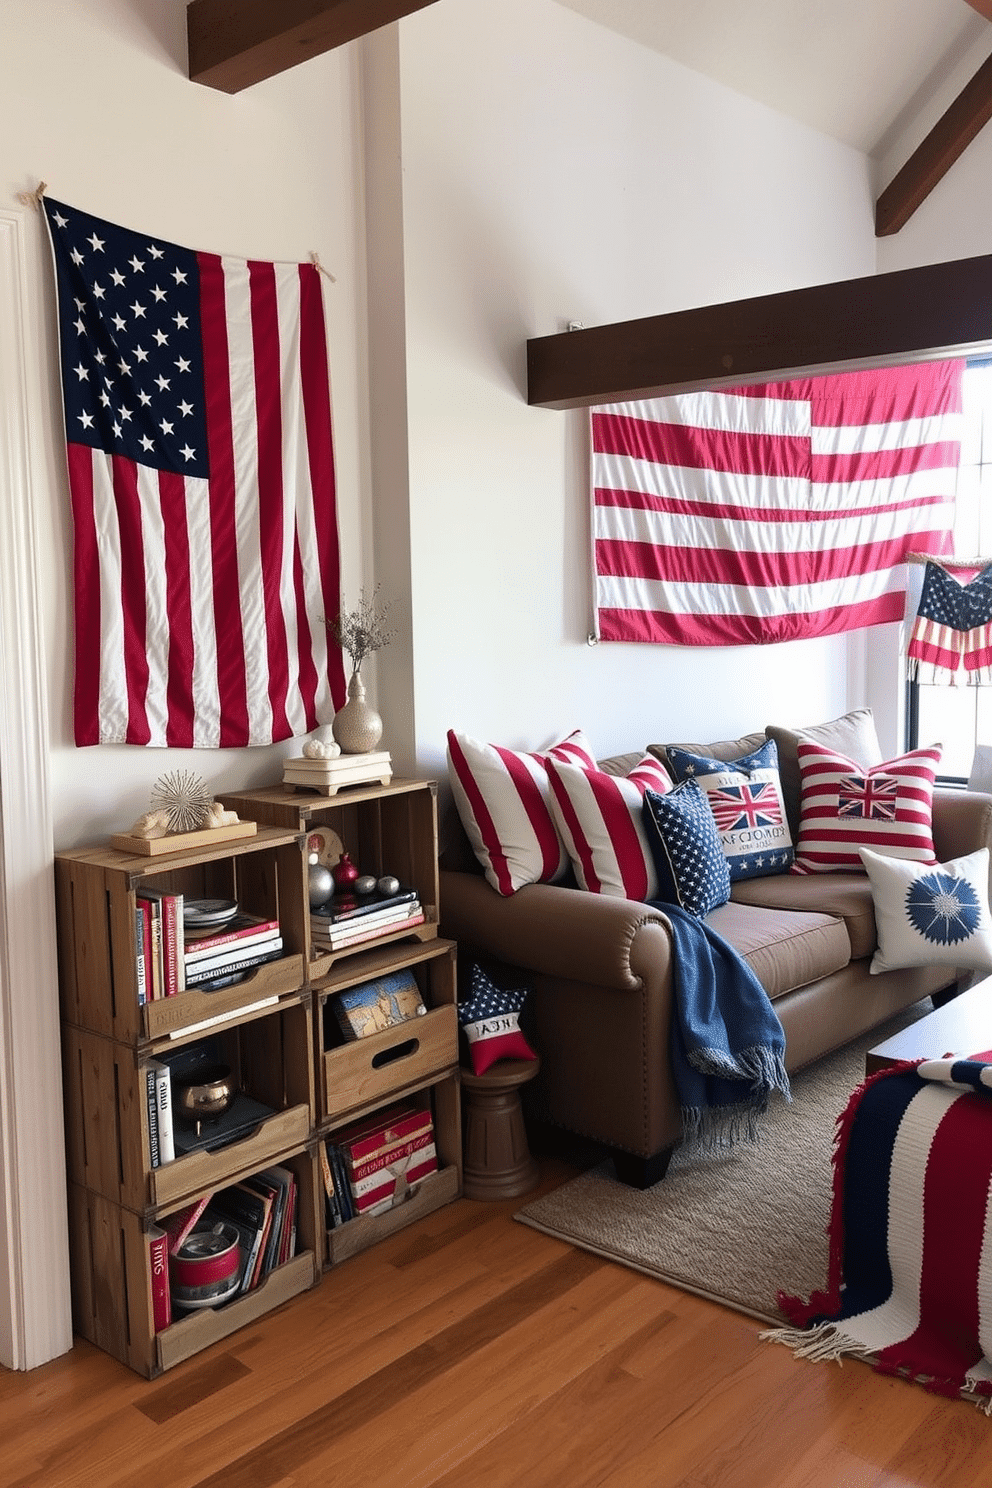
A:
204, 1094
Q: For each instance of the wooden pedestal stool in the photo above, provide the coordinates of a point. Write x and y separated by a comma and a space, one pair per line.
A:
497, 1159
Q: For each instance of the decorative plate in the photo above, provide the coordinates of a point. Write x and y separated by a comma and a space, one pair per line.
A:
198, 913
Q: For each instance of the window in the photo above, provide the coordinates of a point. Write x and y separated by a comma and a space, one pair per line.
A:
961, 716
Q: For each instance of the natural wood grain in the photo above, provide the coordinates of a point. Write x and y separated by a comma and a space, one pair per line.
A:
469, 1350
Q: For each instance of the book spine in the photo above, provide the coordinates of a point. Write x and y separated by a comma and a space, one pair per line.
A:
163, 1100
232, 955
171, 957
196, 950
155, 910
351, 925
139, 957
341, 1181
151, 1094
338, 942
330, 1192
179, 1225
158, 1266
240, 963
288, 1248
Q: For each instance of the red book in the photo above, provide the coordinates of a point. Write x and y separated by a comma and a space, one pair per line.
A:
390, 927
158, 1266
243, 929
414, 1143
383, 1194
381, 1131
177, 1226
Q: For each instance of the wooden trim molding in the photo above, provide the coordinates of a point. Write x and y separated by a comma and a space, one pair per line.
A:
931, 160
35, 1312
235, 43
911, 314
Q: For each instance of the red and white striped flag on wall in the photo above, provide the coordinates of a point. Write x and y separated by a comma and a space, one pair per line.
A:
201, 474
774, 512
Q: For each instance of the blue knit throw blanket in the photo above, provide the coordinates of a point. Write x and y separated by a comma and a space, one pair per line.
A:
727, 1045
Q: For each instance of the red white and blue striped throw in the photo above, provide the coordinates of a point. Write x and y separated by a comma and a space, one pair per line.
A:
909, 1286
201, 475
775, 512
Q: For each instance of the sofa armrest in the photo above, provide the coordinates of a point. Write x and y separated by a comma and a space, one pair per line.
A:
962, 822
560, 932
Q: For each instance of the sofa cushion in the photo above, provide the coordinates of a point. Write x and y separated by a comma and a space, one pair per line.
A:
503, 800
724, 749
931, 914
785, 951
599, 819
745, 796
887, 808
692, 866
845, 896
853, 734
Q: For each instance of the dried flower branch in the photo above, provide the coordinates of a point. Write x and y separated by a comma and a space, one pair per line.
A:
362, 631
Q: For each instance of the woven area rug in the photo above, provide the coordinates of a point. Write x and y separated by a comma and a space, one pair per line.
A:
736, 1226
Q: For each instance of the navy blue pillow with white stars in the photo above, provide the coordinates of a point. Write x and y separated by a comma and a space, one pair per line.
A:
490, 1020
688, 854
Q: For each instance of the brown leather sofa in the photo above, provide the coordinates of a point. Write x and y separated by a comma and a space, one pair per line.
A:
599, 971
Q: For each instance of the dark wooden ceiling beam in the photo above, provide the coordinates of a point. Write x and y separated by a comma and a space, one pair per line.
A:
938, 309
235, 43
930, 162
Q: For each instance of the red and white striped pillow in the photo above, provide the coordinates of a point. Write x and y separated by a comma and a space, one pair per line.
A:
845, 806
503, 796
600, 818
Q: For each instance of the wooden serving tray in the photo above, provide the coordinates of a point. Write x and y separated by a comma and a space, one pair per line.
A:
175, 842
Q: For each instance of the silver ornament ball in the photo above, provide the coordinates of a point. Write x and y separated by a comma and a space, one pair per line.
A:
321, 884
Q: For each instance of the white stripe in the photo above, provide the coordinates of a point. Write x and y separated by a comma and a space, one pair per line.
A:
206, 698
666, 529
899, 1316
243, 418
674, 598
297, 493
983, 1369
712, 487
113, 708
727, 412
889, 491
851, 439
156, 605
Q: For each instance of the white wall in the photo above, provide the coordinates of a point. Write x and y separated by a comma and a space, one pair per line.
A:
553, 171
94, 100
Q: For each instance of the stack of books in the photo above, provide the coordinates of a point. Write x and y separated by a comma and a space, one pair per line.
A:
262, 1208
375, 1163
158, 937
349, 919
244, 941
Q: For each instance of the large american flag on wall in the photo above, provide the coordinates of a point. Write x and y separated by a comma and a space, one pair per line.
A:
201, 475
774, 512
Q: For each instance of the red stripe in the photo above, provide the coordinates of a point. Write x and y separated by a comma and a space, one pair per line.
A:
886, 464
133, 602
268, 416
781, 570
172, 498
622, 833
693, 448
232, 685
939, 541
913, 391
320, 451
86, 585
662, 628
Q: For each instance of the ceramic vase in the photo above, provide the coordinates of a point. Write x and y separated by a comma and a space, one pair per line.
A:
357, 726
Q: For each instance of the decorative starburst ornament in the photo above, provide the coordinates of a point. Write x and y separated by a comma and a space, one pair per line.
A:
184, 797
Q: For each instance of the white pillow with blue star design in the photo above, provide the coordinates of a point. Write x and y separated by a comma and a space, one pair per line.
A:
931, 914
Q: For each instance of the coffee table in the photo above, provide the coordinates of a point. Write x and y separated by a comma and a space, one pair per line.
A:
961, 1026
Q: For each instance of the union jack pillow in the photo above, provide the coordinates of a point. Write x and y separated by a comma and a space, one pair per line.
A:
600, 820
745, 796
503, 799
845, 806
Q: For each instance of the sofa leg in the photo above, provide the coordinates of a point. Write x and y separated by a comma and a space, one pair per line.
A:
642, 1172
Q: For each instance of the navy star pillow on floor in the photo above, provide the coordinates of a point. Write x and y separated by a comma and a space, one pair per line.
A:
490, 1020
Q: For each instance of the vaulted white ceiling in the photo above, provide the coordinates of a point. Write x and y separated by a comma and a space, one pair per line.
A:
861, 71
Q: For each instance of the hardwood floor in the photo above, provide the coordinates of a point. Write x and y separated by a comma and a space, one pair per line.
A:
471, 1350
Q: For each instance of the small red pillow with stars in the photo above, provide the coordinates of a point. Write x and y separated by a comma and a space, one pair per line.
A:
490, 1020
